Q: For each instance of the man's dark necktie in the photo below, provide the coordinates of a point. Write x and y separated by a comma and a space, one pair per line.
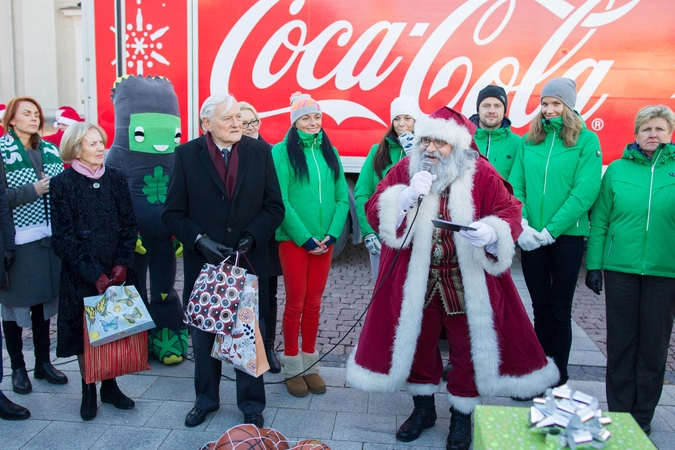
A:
226, 157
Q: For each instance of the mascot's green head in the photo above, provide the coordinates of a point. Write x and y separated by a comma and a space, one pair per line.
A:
146, 114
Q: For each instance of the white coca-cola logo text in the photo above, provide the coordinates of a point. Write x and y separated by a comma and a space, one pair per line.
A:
377, 69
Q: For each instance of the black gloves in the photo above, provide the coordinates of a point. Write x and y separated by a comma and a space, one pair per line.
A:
246, 243
214, 252
10, 257
594, 281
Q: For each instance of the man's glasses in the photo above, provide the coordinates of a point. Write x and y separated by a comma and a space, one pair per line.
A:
252, 123
437, 142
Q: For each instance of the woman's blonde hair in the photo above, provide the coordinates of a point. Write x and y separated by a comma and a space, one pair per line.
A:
652, 111
71, 142
246, 105
572, 126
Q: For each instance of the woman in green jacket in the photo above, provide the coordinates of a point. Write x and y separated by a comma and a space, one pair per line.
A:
315, 195
557, 177
633, 222
382, 157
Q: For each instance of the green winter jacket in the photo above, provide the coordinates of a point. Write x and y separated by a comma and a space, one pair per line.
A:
368, 179
499, 145
633, 219
558, 184
317, 207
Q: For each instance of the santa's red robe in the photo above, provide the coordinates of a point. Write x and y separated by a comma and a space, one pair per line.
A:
506, 355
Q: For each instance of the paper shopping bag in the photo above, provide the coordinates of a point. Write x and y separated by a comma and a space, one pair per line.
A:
117, 313
117, 358
244, 347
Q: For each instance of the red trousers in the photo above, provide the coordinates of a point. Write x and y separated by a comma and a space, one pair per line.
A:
427, 366
305, 278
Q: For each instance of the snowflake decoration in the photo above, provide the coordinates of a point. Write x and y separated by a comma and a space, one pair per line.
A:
141, 44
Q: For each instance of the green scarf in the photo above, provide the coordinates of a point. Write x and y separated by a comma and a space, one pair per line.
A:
31, 220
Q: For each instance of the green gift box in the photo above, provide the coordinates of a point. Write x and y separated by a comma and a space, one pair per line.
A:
501, 427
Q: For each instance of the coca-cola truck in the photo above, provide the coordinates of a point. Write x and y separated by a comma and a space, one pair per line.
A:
355, 56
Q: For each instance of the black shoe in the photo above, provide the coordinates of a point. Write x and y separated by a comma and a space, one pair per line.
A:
419, 420
20, 381
646, 427
196, 416
50, 373
11, 411
446, 369
275, 365
255, 419
459, 437
110, 393
89, 406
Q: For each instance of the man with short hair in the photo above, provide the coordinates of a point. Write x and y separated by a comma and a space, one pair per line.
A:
493, 135
223, 195
442, 279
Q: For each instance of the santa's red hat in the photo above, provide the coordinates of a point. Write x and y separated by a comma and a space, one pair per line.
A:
3, 107
66, 115
447, 125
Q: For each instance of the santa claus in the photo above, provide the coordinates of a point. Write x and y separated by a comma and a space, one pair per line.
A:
434, 279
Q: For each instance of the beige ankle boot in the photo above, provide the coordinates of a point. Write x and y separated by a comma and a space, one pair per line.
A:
315, 383
290, 367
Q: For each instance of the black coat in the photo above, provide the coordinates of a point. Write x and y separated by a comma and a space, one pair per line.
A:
197, 203
6, 229
94, 228
274, 266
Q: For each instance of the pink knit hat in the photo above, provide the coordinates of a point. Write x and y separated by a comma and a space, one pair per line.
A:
302, 104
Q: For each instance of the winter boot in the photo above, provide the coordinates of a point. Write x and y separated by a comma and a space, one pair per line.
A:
275, 365
291, 366
422, 417
315, 383
110, 393
459, 437
88, 407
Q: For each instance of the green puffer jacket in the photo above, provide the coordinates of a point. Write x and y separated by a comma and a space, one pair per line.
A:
368, 179
499, 145
317, 207
633, 220
558, 184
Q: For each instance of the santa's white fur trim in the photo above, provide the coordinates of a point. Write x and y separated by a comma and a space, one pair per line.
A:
446, 130
465, 405
422, 389
506, 248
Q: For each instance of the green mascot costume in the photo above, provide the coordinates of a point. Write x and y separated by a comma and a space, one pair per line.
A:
147, 130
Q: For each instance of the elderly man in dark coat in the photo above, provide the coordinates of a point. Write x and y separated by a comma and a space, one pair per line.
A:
223, 194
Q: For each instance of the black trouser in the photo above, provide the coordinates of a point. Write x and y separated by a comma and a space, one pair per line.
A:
41, 342
551, 274
250, 390
271, 317
640, 311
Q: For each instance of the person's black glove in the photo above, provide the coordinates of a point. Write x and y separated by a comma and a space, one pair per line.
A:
594, 281
246, 244
10, 257
214, 252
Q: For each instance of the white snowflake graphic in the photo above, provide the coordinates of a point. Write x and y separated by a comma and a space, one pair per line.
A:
142, 46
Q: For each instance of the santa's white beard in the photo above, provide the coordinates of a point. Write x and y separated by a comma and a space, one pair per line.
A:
446, 169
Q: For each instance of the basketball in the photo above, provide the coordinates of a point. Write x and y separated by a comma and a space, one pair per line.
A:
310, 444
275, 440
242, 437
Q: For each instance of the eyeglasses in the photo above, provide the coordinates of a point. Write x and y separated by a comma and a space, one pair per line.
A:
437, 142
252, 123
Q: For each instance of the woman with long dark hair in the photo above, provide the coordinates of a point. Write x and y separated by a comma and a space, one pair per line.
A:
315, 195
382, 157
31, 299
557, 177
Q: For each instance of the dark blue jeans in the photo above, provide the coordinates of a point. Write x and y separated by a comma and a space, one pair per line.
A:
551, 274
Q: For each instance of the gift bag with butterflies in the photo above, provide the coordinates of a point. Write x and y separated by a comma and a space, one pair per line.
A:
117, 313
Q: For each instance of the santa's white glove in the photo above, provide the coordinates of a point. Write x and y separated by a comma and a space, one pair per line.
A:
530, 239
420, 184
406, 140
373, 244
548, 239
483, 236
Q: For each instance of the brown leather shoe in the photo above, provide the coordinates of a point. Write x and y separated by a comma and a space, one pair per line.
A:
315, 383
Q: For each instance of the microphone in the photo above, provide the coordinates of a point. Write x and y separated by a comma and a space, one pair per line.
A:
426, 165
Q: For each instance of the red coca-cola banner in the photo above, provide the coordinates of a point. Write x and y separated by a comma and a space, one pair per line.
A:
155, 43
355, 56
